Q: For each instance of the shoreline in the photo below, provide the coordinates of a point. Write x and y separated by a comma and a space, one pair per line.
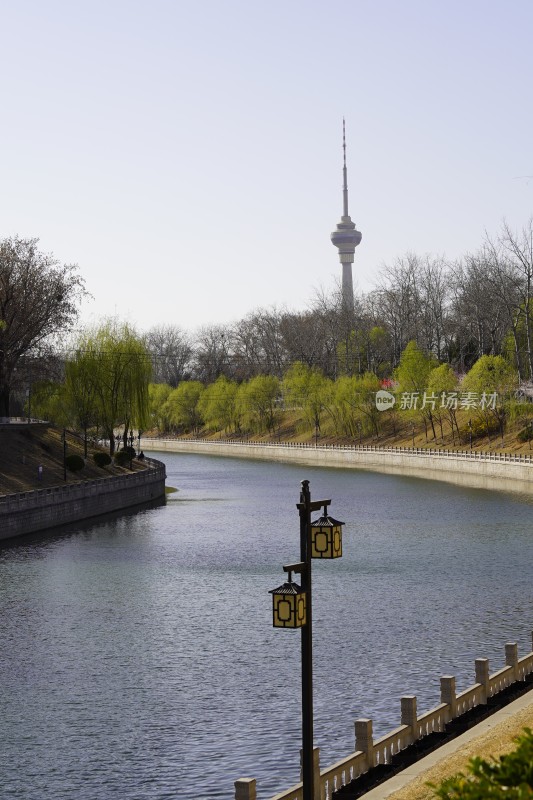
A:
38, 510
505, 472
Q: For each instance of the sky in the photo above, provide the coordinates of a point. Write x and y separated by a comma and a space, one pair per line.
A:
187, 154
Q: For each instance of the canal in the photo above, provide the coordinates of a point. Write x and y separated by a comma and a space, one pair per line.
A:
137, 655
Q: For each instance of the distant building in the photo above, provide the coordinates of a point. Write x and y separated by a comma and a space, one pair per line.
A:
346, 237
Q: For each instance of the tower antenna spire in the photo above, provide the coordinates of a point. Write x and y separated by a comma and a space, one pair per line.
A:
344, 172
346, 238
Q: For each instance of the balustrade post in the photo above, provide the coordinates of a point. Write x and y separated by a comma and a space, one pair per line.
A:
409, 715
448, 694
511, 658
364, 740
316, 771
482, 677
245, 789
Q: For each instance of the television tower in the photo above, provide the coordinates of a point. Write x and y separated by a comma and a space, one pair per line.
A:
346, 237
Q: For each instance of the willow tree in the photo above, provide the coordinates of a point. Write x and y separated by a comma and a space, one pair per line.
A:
182, 405
109, 377
307, 388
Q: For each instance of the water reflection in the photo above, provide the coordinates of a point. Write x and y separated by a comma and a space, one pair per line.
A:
139, 657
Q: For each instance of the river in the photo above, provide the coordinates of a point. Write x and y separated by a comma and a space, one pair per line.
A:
138, 658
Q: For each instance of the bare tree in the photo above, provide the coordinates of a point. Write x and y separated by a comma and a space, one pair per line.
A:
519, 249
257, 345
212, 353
397, 299
479, 318
38, 298
171, 352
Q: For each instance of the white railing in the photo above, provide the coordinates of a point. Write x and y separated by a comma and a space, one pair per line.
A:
469, 455
369, 753
21, 421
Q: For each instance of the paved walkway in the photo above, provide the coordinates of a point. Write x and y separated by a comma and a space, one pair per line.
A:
492, 737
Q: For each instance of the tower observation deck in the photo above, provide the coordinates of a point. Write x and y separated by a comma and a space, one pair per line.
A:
346, 237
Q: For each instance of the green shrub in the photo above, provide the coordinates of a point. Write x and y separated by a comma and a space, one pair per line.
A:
74, 462
510, 777
123, 457
480, 428
526, 434
101, 459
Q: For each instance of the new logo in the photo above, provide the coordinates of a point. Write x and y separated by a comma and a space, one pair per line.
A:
384, 400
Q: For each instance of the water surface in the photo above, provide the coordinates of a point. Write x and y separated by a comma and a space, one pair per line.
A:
138, 657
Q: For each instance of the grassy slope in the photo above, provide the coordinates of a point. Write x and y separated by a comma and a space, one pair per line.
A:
291, 429
23, 449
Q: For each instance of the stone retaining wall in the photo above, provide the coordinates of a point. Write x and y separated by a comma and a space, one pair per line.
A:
28, 512
482, 470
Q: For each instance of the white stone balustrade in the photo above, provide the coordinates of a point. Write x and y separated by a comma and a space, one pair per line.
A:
370, 753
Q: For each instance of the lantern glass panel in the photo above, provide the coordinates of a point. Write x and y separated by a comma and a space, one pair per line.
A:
288, 606
326, 538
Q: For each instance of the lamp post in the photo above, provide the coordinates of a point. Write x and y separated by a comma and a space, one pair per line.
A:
413, 432
64, 437
292, 608
470, 431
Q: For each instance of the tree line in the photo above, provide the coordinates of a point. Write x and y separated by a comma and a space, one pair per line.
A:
422, 391
455, 313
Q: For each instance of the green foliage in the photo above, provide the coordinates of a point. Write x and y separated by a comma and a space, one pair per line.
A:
107, 380
123, 457
364, 351
256, 401
353, 405
101, 459
182, 405
307, 388
80, 391
74, 462
218, 405
414, 369
510, 777
442, 379
158, 394
482, 425
488, 375
526, 434
49, 402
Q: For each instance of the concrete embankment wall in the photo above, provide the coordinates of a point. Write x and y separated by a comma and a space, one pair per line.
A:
28, 512
480, 470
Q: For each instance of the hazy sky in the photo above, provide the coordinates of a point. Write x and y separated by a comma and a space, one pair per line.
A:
188, 155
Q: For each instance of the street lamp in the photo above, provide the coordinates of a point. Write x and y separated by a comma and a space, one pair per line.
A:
470, 431
64, 437
292, 608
